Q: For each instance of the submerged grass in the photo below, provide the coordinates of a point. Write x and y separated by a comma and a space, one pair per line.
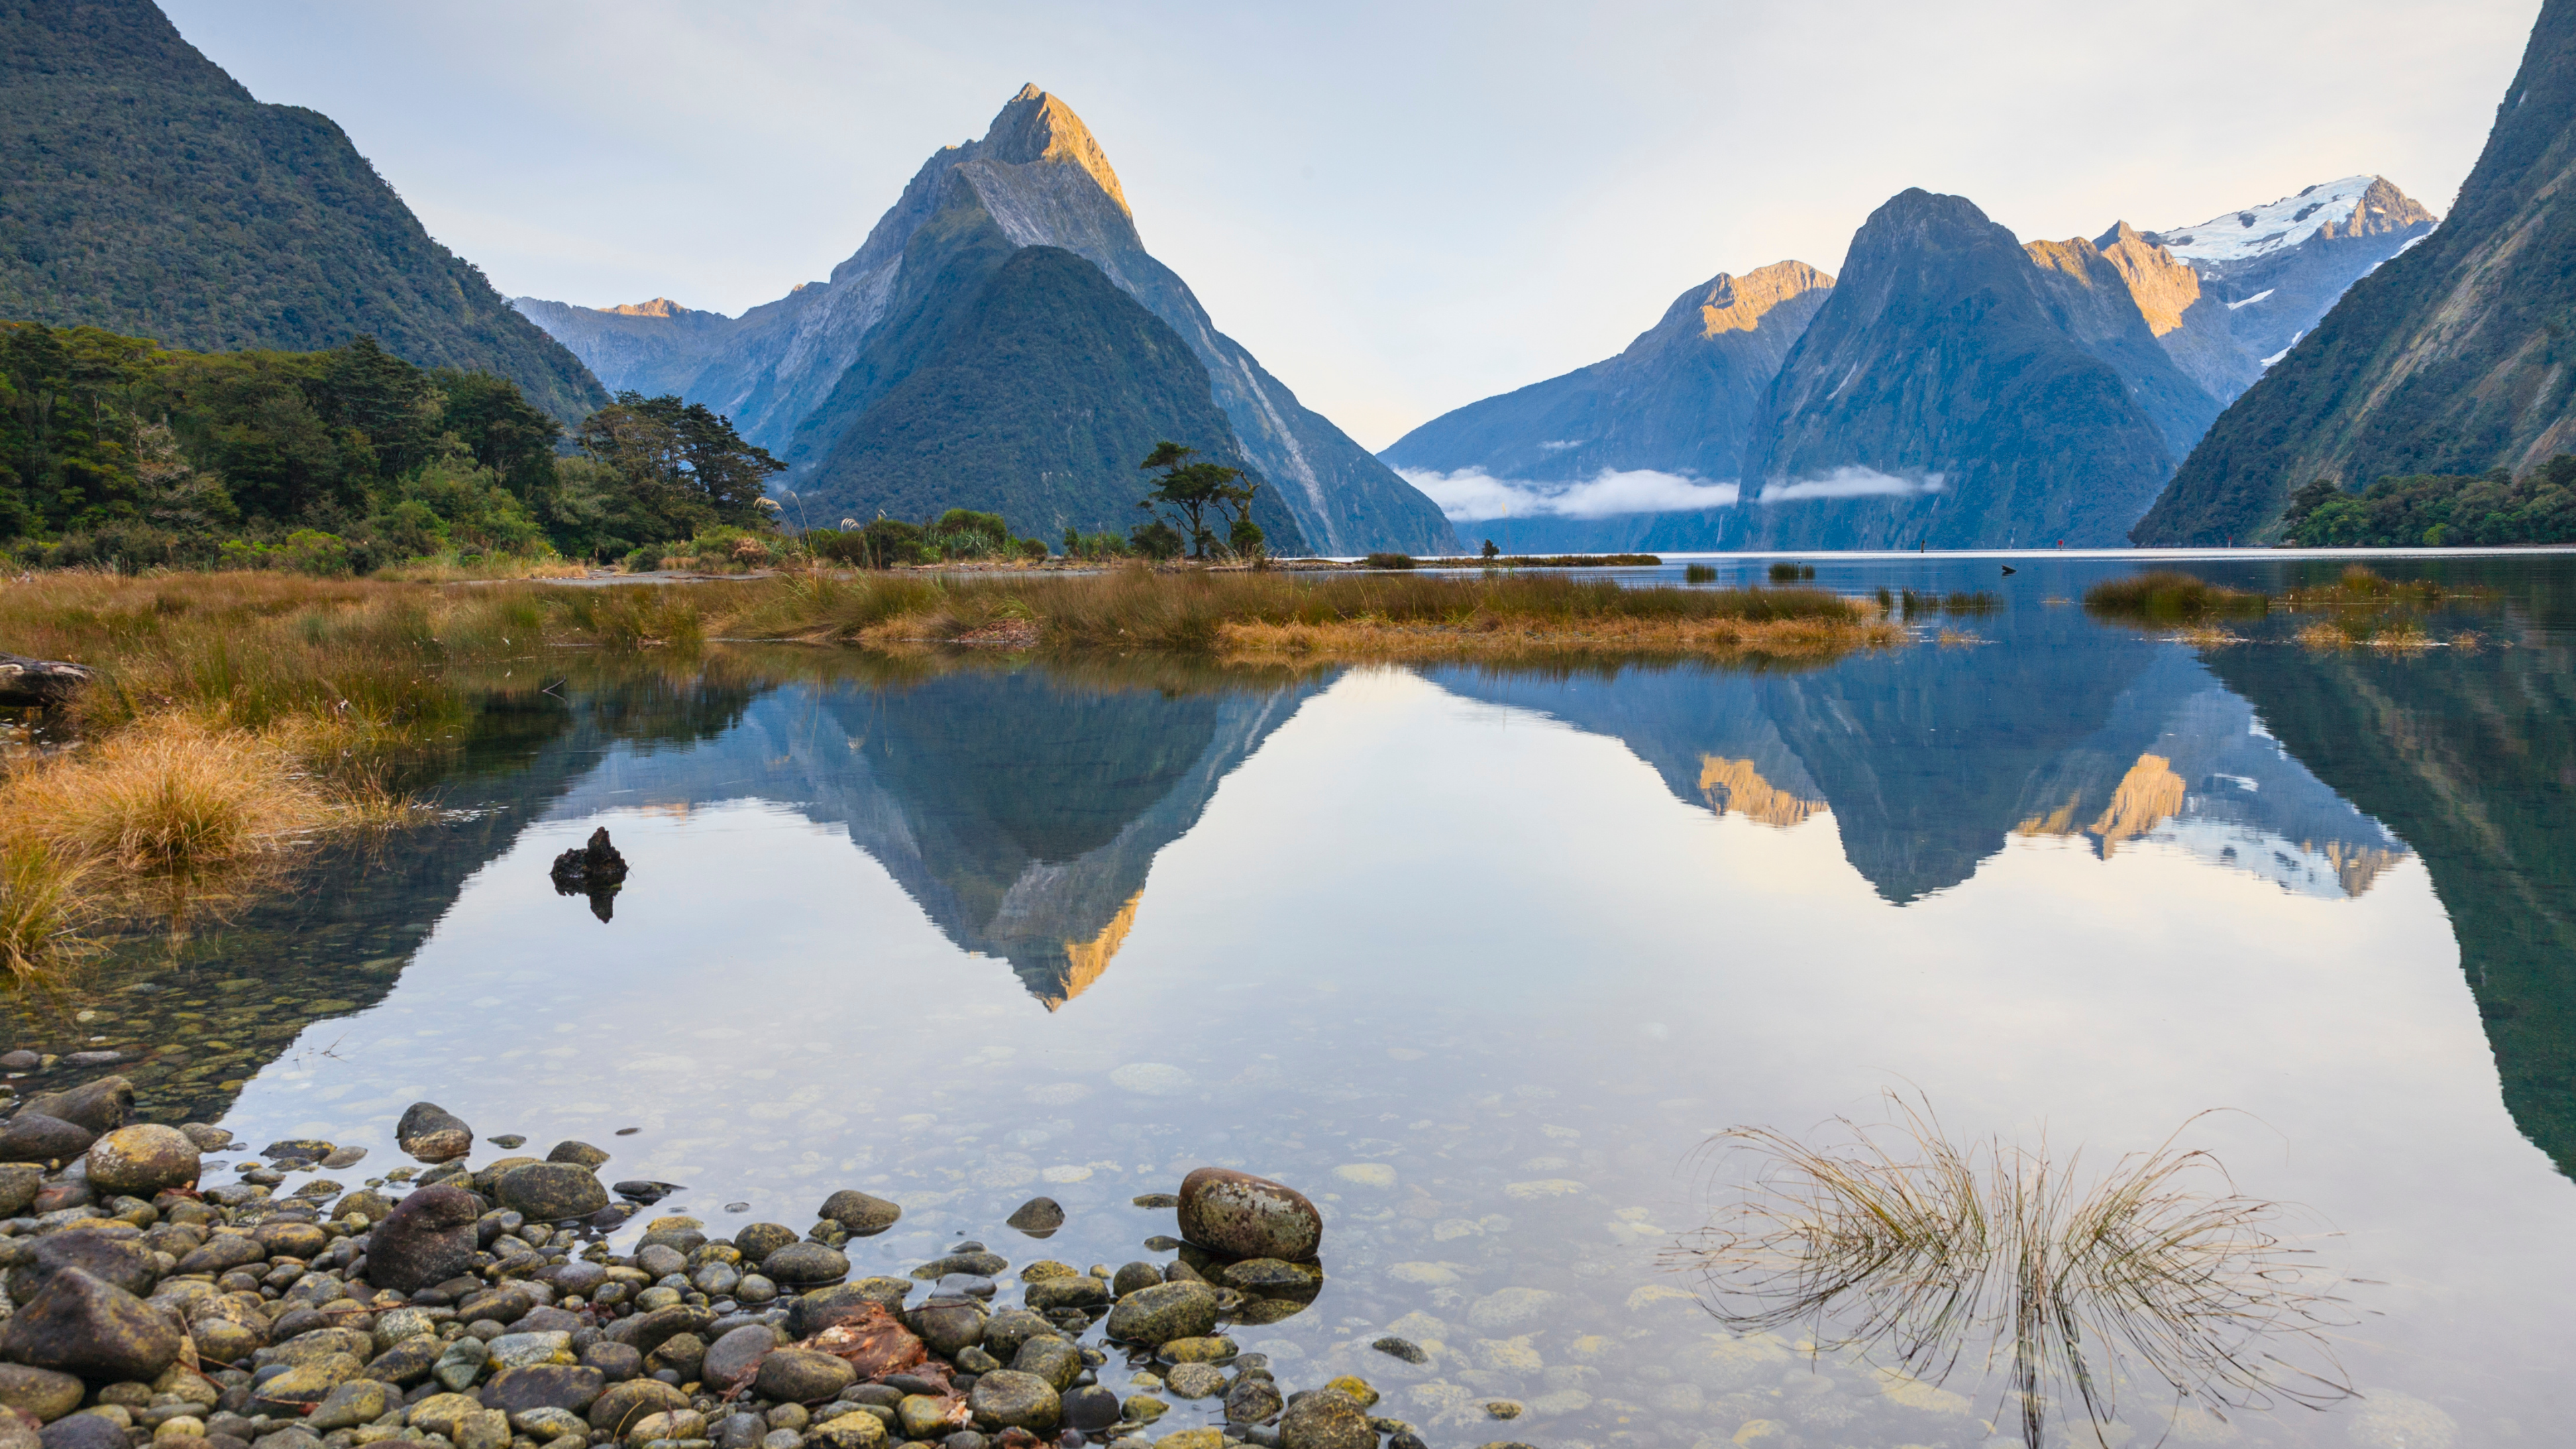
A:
2157, 1276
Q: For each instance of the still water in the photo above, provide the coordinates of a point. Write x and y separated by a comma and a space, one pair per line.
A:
1480, 959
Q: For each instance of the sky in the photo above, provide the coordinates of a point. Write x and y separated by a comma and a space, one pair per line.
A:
1399, 208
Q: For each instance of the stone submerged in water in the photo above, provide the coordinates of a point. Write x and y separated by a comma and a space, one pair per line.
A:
32, 1136
863, 1215
1243, 1216
1009, 1399
552, 1192
431, 1133
1164, 1311
1037, 1217
1326, 1419
100, 1106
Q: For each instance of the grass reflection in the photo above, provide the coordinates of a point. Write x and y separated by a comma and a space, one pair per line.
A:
1945, 1256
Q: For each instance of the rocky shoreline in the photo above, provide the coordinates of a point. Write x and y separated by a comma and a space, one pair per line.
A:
484, 1308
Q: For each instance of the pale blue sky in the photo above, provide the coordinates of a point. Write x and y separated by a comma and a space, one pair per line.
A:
1398, 207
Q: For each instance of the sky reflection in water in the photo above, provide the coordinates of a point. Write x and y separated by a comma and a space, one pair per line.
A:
1479, 959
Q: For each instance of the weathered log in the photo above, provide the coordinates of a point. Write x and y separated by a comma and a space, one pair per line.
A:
40, 681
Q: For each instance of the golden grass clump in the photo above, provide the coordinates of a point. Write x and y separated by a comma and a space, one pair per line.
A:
2156, 1275
168, 794
44, 903
2169, 596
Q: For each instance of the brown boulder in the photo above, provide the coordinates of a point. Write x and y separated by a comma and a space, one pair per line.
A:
79, 1323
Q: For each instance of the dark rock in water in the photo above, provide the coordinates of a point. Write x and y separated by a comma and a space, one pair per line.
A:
1404, 1349
1243, 1216
1055, 1360
100, 1106
758, 1240
298, 1151
579, 1154
81, 1324
863, 1215
21, 1060
596, 870
428, 1238
1037, 1217
1090, 1407
31, 1136
1157, 1199
948, 1324
647, 1193
1012, 1400
1163, 1312
39, 683
1005, 1332
1251, 1400
124, 1262
1074, 1292
552, 1192
141, 1160
1326, 1419
83, 1431
1132, 1276
39, 1393
544, 1386
432, 1133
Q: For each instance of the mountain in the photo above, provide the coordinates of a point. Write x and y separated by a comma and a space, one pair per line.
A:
1036, 178
1957, 388
2450, 358
1038, 403
1678, 400
149, 194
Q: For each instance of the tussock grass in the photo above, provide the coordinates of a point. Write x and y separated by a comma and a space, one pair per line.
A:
169, 794
1372, 616
2359, 584
44, 904
2169, 596
2155, 1275
1699, 573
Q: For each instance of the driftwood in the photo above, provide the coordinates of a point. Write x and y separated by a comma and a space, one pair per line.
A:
40, 681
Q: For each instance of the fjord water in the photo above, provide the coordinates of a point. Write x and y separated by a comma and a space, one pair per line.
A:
1481, 959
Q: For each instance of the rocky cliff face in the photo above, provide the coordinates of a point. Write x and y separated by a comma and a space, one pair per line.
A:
149, 194
1954, 389
1036, 178
1679, 399
2441, 350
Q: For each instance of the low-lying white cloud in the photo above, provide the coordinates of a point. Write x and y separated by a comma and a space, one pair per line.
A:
1472, 495
1849, 482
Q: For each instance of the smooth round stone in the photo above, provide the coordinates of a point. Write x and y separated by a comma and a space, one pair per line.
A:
527, 1350
1251, 1400
759, 1240
805, 1263
1243, 1216
736, 1354
544, 1386
1195, 1380
432, 1133
968, 1285
616, 1362
1008, 1399
848, 1431
1164, 1312
1037, 1217
755, 1288
1211, 1349
1132, 1276
949, 1324
622, 1406
657, 1297
802, 1375
660, 1260
141, 1161
81, 1324
1052, 1359
863, 1215
552, 1192
1326, 1419
715, 1280
1090, 1408
38, 1393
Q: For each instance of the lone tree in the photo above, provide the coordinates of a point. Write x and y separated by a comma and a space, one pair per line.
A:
1191, 490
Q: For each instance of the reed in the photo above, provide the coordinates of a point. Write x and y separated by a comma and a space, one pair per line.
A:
2169, 596
1943, 1256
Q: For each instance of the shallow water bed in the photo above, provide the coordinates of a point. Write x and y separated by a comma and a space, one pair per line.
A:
1482, 959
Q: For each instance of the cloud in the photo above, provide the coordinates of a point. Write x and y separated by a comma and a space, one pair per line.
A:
1849, 482
1470, 494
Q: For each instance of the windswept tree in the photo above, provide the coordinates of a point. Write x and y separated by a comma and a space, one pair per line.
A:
1192, 491
691, 455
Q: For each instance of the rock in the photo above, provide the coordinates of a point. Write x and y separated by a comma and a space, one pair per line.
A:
1037, 1217
802, 1376
596, 866
1357, 1388
1195, 1380
1504, 1408
803, 1263
79, 1323
100, 1106
1052, 1359
307, 1384
759, 1240
85, 1431
550, 1424
366, 1203
428, 1238
528, 1350
1067, 1293
32, 1136
1402, 1348
223, 1251
1090, 1408
460, 1364
649, 1331
405, 1364
1132, 1276
121, 1260
681, 1353
41, 1394
544, 1386
552, 1192
1163, 1312
849, 1431
737, 1355
1324, 1419
431, 1133
1008, 1399
1242, 1216
19, 1183
624, 1405
616, 1362
1266, 1275
863, 1215
290, 1238
359, 1401
579, 1154
1144, 1408
1192, 1439
503, 1303
1251, 1400
948, 1324
483, 1429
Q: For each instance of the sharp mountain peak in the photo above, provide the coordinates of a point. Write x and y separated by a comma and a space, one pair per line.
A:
1731, 303
1036, 126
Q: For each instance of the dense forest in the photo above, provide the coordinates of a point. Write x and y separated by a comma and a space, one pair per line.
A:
2436, 510
115, 450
